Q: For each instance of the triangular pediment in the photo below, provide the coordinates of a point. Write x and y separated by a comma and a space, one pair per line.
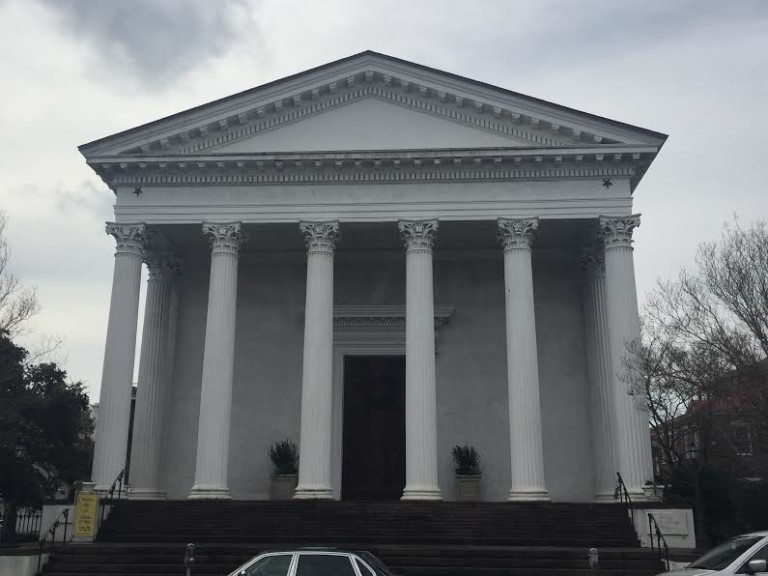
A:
369, 102
369, 124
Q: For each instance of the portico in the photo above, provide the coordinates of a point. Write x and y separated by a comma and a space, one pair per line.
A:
483, 235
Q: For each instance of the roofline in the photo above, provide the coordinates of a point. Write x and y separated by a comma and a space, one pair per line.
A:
478, 83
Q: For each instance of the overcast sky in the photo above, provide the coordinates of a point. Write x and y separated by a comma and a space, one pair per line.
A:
74, 70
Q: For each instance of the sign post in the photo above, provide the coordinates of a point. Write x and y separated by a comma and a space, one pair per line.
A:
86, 507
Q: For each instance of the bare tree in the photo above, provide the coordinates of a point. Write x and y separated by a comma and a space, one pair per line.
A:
705, 344
17, 302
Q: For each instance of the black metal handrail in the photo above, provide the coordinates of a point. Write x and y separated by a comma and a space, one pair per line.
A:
24, 526
109, 501
622, 494
63, 517
654, 530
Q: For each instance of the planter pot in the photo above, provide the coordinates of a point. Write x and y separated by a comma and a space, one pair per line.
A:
468, 487
284, 486
653, 493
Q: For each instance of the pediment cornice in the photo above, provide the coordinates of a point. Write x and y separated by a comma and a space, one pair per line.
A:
290, 108
369, 75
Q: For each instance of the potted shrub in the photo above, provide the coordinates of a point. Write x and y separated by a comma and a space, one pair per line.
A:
467, 462
653, 493
285, 459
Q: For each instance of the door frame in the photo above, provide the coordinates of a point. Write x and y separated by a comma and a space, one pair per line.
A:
382, 348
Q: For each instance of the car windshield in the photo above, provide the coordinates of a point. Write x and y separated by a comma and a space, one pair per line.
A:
375, 563
721, 556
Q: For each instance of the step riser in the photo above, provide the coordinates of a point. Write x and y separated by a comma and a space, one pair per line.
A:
415, 539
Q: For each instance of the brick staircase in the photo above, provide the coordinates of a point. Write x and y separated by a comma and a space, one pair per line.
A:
413, 538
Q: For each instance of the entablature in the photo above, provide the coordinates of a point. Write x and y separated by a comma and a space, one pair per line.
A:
360, 167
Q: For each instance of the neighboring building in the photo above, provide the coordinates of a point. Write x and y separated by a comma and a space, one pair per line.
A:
728, 433
438, 235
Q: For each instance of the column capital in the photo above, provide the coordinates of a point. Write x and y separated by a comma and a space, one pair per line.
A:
130, 238
320, 236
592, 260
418, 234
163, 265
515, 233
225, 237
616, 231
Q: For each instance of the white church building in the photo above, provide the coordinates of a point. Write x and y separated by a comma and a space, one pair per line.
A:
379, 261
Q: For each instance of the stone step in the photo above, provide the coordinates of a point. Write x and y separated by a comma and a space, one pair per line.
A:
414, 539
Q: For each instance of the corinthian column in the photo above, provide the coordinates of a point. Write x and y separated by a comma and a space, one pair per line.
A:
153, 385
421, 482
119, 351
527, 457
633, 446
601, 384
317, 376
218, 360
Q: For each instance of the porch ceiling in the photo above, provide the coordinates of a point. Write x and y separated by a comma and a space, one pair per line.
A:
384, 236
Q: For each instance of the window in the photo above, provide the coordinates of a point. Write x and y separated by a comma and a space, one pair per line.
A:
761, 554
275, 565
364, 570
720, 558
691, 437
375, 564
324, 565
742, 438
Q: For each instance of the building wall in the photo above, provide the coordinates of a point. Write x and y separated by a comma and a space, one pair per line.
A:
471, 368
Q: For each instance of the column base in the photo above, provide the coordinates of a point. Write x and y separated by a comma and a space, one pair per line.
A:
313, 494
528, 495
432, 494
146, 494
209, 493
605, 498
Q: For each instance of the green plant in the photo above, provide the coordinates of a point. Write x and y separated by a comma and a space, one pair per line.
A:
467, 460
285, 457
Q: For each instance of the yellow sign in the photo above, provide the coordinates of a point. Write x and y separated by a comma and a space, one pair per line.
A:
85, 514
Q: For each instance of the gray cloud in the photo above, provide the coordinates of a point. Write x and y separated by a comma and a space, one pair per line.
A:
552, 35
154, 41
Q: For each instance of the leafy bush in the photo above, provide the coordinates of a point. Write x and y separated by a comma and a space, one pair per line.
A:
285, 457
467, 460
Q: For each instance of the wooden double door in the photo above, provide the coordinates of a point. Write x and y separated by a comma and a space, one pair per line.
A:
373, 462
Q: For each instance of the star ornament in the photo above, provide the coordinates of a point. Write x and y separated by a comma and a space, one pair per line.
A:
138, 191
607, 183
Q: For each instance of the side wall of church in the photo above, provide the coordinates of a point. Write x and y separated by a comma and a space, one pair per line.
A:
471, 369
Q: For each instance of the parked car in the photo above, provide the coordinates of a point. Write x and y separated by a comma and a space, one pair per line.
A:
313, 562
745, 554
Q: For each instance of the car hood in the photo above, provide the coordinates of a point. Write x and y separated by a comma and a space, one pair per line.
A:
688, 572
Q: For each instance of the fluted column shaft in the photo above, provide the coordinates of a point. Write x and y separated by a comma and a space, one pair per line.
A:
421, 479
119, 351
317, 375
633, 447
526, 447
218, 361
601, 385
152, 384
